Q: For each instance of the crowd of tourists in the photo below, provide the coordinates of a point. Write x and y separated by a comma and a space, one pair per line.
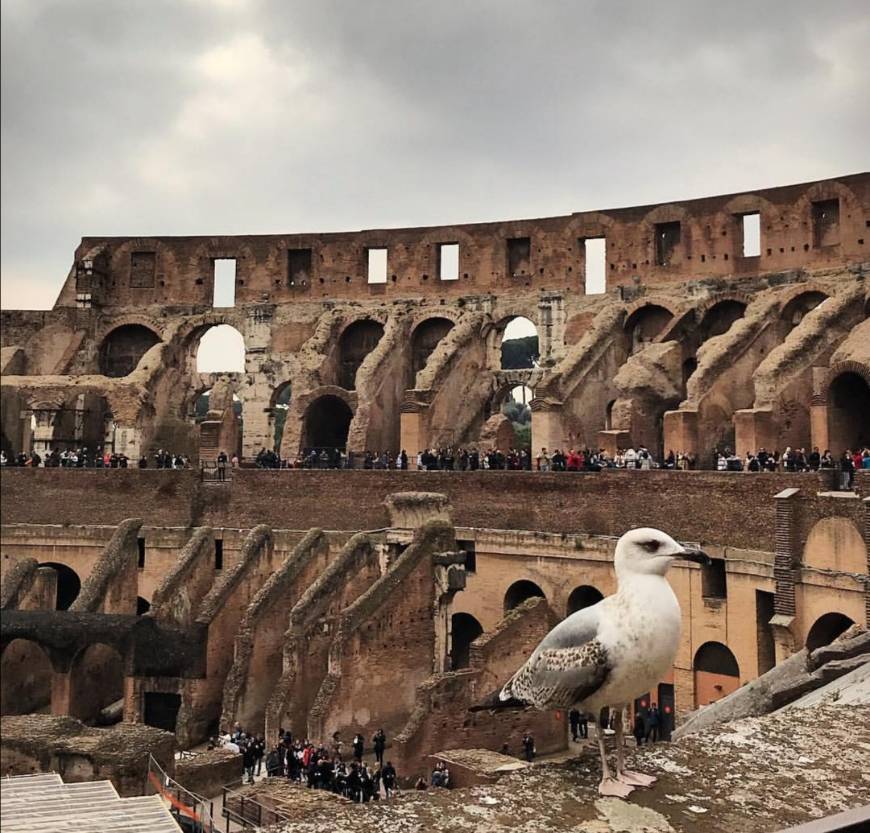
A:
335, 767
98, 458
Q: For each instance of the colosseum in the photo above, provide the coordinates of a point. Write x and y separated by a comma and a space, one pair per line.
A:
345, 599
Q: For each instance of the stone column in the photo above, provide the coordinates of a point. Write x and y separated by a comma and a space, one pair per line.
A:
784, 567
413, 430
612, 441
548, 430
60, 692
753, 429
681, 431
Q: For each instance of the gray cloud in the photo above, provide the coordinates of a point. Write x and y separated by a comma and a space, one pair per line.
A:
232, 116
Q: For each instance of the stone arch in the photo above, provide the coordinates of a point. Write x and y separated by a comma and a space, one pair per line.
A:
826, 629
220, 348
583, 596
96, 680
836, 543
848, 399
25, 678
519, 591
326, 423
513, 329
464, 629
279, 409
356, 341
425, 337
123, 347
716, 318
716, 673
645, 322
799, 304
69, 584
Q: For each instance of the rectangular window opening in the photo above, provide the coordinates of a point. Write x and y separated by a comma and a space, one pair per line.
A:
713, 583
224, 282
298, 267
519, 253
468, 547
595, 263
141, 543
448, 261
751, 235
218, 553
377, 263
826, 223
667, 240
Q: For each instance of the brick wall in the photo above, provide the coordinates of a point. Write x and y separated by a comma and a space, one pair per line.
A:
733, 508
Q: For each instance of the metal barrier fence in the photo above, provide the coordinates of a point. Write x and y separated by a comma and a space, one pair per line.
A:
193, 813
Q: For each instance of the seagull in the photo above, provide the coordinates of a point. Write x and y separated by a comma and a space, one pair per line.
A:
612, 652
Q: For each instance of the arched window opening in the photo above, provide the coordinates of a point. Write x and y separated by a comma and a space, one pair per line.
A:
464, 629
848, 406
69, 584
608, 415
25, 678
221, 350
644, 324
584, 596
719, 318
826, 629
356, 342
520, 347
796, 309
142, 606
280, 407
96, 681
425, 339
716, 673
123, 348
690, 365
519, 591
326, 424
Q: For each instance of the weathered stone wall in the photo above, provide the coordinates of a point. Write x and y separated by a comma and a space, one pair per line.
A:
696, 506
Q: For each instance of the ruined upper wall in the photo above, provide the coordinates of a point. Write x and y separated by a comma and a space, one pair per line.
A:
812, 225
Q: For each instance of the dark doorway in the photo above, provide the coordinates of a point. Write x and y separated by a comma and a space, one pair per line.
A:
327, 422
357, 341
161, 710
848, 406
424, 340
765, 646
666, 710
142, 606
464, 629
519, 591
581, 597
826, 629
124, 347
68, 584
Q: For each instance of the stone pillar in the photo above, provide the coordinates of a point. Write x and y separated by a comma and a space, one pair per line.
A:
413, 431
60, 692
819, 437
409, 510
548, 430
612, 441
681, 432
785, 564
753, 429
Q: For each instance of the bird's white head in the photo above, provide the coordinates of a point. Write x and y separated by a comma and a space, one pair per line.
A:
650, 551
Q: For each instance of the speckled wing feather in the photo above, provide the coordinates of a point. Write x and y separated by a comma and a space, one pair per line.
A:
559, 677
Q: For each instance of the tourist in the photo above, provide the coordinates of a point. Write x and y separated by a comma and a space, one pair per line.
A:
640, 733
249, 757
847, 471
574, 721
389, 778
358, 746
379, 742
528, 747
222, 465
653, 721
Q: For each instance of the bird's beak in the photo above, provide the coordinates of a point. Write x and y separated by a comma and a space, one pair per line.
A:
696, 555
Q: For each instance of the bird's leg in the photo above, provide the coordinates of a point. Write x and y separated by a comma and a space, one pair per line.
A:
609, 785
623, 775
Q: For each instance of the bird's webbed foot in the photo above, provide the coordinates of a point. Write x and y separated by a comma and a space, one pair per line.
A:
616, 789
635, 779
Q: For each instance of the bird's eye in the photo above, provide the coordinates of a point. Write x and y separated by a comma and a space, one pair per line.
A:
651, 546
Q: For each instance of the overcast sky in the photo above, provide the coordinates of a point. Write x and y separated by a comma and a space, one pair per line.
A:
234, 117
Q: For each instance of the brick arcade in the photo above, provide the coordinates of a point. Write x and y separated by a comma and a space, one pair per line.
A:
346, 600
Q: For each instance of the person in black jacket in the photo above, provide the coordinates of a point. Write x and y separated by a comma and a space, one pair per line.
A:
379, 741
